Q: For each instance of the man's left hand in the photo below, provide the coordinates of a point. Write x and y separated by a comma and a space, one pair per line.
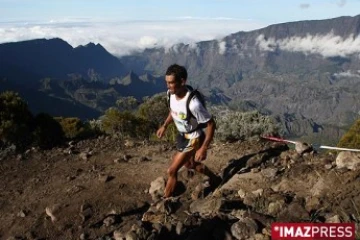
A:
200, 154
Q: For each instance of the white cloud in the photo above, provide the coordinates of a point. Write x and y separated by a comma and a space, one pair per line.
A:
347, 74
194, 47
121, 38
304, 5
326, 45
222, 48
341, 3
266, 44
147, 41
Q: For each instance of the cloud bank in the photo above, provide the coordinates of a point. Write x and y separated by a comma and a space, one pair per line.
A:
347, 74
124, 37
326, 45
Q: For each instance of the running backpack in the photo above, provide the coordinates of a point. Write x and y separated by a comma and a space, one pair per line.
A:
193, 93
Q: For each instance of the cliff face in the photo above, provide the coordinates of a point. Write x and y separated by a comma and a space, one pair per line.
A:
307, 70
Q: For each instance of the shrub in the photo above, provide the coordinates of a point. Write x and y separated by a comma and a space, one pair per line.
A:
48, 132
154, 109
351, 139
170, 134
74, 128
143, 128
126, 103
126, 124
233, 125
15, 120
96, 126
113, 121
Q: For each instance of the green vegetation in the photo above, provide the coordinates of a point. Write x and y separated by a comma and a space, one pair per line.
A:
125, 124
15, 120
48, 132
154, 108
126, 103
19, 127
234, 125
231, 125
351, 139
74, 128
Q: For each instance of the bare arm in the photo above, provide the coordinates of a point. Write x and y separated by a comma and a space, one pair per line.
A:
168, 120
161, 131
209, 135
210, 131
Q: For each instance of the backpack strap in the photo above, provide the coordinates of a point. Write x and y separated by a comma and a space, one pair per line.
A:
194, 93
168, 99
191, 89
189, 114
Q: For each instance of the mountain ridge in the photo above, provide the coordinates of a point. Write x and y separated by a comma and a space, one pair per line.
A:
276, 68
56, 58
307, 70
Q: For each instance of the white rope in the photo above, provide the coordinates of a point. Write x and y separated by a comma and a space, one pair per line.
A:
341, 149
325, 147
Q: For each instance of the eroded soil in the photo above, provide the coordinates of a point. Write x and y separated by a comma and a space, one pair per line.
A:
101, 178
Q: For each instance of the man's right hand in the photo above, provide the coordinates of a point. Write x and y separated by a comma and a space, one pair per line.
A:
161, 131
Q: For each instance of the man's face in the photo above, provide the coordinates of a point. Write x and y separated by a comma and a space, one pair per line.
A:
172, 85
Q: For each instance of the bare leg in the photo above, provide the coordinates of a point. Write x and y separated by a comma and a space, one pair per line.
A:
179, 159
202, 168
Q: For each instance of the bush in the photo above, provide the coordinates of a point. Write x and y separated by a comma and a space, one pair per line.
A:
233, 125
126, 103
114, 121
48, 132
154, 109
15, 120
74, 128
96, 126
126, 124
351, 139
170, 134
143, 128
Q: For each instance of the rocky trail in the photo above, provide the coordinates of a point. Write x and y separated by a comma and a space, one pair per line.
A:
107, 188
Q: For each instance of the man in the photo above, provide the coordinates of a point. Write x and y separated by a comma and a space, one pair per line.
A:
192, 143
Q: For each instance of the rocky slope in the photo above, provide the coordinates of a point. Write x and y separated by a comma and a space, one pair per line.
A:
108, 188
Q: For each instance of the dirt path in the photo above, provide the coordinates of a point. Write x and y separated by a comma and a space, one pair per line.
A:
110, 181
113, 180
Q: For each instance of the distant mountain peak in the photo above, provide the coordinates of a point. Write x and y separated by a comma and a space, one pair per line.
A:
56, 58
132, 76
147, 77
92, 45
41, 41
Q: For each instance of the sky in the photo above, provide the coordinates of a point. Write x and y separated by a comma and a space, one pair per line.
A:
124, 26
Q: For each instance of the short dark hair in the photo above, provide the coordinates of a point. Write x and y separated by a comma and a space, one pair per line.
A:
178, 71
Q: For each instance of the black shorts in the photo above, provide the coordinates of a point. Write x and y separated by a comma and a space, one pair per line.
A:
185, 145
